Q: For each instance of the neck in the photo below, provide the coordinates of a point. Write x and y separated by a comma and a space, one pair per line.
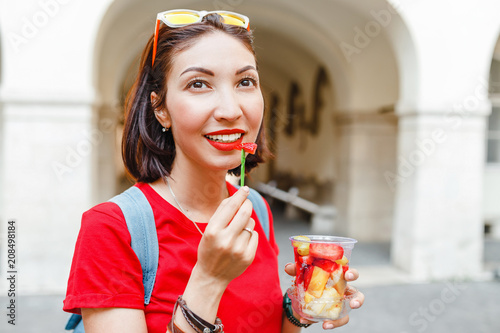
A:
198, 191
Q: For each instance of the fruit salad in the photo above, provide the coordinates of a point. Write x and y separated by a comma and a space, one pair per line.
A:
320, 287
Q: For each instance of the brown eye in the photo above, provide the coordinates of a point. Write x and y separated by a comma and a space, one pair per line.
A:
248, 82
198, 85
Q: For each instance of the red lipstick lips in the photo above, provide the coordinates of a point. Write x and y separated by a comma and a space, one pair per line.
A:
225, 146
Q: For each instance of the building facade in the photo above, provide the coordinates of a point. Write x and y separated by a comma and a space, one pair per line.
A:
381, 108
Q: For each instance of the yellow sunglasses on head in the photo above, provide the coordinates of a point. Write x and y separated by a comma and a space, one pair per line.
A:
182, 17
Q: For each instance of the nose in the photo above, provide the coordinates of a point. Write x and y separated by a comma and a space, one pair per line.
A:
228, 106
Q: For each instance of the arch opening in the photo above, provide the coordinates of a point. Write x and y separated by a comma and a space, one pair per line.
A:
305, 74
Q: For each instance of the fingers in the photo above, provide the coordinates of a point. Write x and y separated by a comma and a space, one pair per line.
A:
228, 209
352, 274
331, 324
242, 219
248, 230
243, 236
354, 304
290, 269
357, 301
251, 248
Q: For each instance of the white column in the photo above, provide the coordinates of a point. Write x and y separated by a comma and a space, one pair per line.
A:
50, 134
438, 226
438, 231
367, 145
49, 150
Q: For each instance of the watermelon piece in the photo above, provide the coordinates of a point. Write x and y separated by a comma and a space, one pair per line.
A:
326, 265
328, 251
248, 147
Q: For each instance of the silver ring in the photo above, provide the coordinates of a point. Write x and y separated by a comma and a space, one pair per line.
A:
249, 230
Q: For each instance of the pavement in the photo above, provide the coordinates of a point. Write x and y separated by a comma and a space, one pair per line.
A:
393, 302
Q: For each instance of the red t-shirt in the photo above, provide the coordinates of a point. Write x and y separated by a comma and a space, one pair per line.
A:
106, 272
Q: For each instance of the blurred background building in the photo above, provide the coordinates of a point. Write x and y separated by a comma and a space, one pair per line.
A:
388, 111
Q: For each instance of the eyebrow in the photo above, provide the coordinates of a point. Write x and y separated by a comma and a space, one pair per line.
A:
246, 68
198, 69
209, 72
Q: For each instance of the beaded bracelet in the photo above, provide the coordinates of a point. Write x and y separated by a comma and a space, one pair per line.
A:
287, 305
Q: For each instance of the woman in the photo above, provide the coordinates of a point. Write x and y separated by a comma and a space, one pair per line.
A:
197, 96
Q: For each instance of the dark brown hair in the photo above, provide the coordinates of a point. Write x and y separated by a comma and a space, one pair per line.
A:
148, 153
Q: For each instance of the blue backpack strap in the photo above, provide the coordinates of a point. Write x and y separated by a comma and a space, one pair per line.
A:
260, 208
75, 323
141, 225
144, 241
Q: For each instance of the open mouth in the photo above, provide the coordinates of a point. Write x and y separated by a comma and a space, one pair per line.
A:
225, 138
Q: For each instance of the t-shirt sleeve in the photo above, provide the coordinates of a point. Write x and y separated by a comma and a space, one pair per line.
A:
105, 271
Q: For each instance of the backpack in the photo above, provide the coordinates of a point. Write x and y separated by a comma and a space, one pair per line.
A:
141, 225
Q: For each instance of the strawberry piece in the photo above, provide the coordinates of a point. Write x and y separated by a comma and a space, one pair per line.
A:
301, 263
298, 266
308, 272
299, 276
326, 251
345, 268
326, 265
248, 147
305, 260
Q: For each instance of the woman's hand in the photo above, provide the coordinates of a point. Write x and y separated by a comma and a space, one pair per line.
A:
350, 275
225, 251
226, 248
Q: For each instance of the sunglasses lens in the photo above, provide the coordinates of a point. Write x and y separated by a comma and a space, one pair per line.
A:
233, 20
180, 18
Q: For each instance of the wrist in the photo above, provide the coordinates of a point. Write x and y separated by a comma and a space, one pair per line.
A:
206, 283
203, 294
290, 314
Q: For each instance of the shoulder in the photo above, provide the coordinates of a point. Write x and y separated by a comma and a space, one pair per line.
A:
110, 212
104, 219
105, 213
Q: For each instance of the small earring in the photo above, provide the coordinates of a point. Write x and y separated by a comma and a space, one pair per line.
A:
165, 129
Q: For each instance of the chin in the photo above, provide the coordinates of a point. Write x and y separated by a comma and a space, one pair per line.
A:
231, 165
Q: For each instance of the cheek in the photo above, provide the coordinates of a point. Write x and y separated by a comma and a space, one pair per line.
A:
256, 112
185, 113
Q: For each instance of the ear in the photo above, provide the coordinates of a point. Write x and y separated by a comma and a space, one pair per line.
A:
161, 114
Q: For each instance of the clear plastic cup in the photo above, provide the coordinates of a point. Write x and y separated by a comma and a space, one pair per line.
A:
320, 291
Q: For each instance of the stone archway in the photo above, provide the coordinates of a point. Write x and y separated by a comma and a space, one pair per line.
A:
364, 85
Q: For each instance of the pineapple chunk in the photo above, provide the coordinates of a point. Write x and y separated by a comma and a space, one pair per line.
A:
337, 275
323, 306
334, 311
308, 297
340, 286
318, 281
314, 308
302, 247
342, 261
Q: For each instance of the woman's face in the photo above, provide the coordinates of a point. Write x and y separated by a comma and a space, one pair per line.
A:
213, 102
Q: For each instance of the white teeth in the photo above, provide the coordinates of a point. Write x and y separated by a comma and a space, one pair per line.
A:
225, 138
